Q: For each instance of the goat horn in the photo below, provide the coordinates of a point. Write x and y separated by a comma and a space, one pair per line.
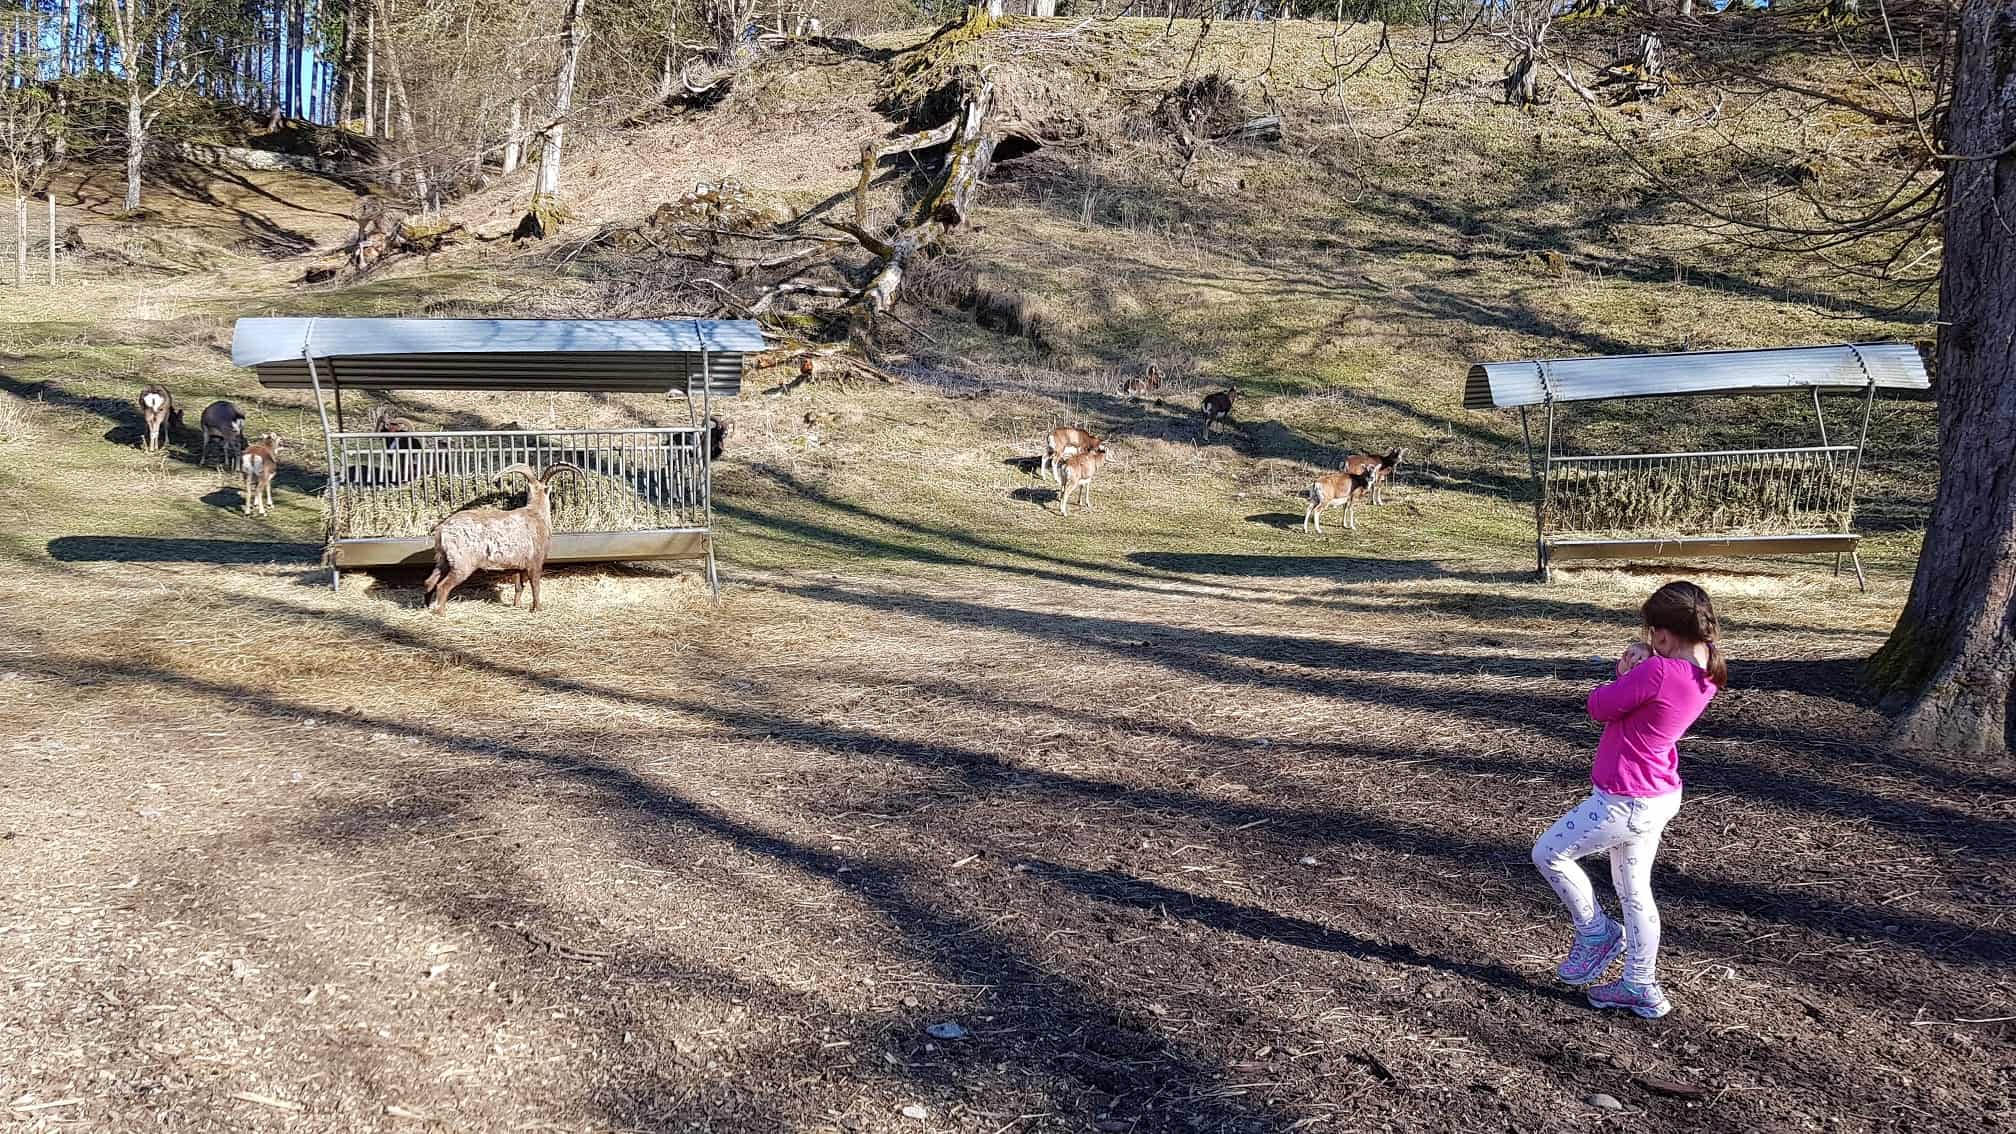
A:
556, 468
526, 471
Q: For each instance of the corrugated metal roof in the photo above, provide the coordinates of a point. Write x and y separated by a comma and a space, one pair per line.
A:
1531, 382
589, 355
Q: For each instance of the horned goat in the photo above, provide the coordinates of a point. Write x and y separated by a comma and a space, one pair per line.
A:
493, 539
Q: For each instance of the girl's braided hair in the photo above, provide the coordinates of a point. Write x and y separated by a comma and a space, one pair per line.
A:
1683, 610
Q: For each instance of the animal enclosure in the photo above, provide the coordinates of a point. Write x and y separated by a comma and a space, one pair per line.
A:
1798, 499
643, 492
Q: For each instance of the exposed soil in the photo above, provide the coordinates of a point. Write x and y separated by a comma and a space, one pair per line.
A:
1183, 850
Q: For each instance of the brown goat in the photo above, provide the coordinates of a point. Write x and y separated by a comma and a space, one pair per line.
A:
259, 462
1078, 471
160, 416
1148, 383
1330, 489
1380, 468
1061, 443
1218, 407
514, 540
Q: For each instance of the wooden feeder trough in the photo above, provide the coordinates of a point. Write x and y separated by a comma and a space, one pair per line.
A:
1734, 502
643, 493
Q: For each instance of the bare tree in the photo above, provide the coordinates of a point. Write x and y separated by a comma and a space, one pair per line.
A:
572, 34
158, 47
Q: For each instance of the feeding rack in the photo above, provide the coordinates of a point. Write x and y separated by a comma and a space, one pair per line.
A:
643, 493
1733, 502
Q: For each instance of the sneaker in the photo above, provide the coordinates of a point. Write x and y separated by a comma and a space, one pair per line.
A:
1592, 954
1648, 1000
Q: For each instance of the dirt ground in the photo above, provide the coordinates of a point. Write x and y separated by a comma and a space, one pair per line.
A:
1193, 846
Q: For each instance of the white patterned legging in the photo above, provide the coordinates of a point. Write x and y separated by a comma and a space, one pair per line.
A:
1629, 828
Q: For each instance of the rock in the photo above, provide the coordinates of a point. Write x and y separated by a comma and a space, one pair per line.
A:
1308, 860
916, 1111
1603, 1102
946, 1031
909, 1002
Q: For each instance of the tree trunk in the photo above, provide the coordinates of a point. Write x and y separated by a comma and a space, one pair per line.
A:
63, 63
395, 91
514, 140
136, 143
370, 72
1953, 652
571, 35
347, 56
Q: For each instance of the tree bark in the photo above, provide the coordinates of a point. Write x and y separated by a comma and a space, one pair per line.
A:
395, 91
571, 35
1953, 652
136, 142
370, 72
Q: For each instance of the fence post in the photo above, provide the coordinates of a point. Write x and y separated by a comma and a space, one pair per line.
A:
52, 239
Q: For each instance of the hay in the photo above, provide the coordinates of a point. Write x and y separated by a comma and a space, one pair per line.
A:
588, 502
1679, 498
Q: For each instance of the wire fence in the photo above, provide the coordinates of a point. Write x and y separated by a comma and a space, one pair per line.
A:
400, 485
1732, 492
31, 240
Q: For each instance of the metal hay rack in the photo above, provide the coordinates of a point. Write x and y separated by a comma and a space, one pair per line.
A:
1732, 502
643, 492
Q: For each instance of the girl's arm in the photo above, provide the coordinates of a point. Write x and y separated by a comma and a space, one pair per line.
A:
1614, 701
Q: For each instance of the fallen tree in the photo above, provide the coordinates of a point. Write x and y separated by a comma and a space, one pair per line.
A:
944, 208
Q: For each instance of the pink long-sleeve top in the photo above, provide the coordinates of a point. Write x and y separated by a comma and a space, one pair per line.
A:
1644, 714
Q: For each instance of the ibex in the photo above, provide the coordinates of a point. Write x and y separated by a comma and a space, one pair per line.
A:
494, 539
1330, 489
226, 423
259, 463
160, 416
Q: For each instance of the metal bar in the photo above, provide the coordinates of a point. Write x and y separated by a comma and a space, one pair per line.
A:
1533, 470
1546, 476
1855, 474
328, 451
705, 441
1708, 453
1822, 417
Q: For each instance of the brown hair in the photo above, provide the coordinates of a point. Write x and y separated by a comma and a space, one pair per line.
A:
1682, 609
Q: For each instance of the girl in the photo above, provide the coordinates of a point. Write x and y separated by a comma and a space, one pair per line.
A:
1662, 685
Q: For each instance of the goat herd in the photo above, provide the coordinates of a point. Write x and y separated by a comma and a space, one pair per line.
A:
223, 423
1073, 456
516, 540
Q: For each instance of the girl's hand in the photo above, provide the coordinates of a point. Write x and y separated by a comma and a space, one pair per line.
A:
1633, 654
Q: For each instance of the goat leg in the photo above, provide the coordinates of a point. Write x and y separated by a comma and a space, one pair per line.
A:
537, 571
454, 578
